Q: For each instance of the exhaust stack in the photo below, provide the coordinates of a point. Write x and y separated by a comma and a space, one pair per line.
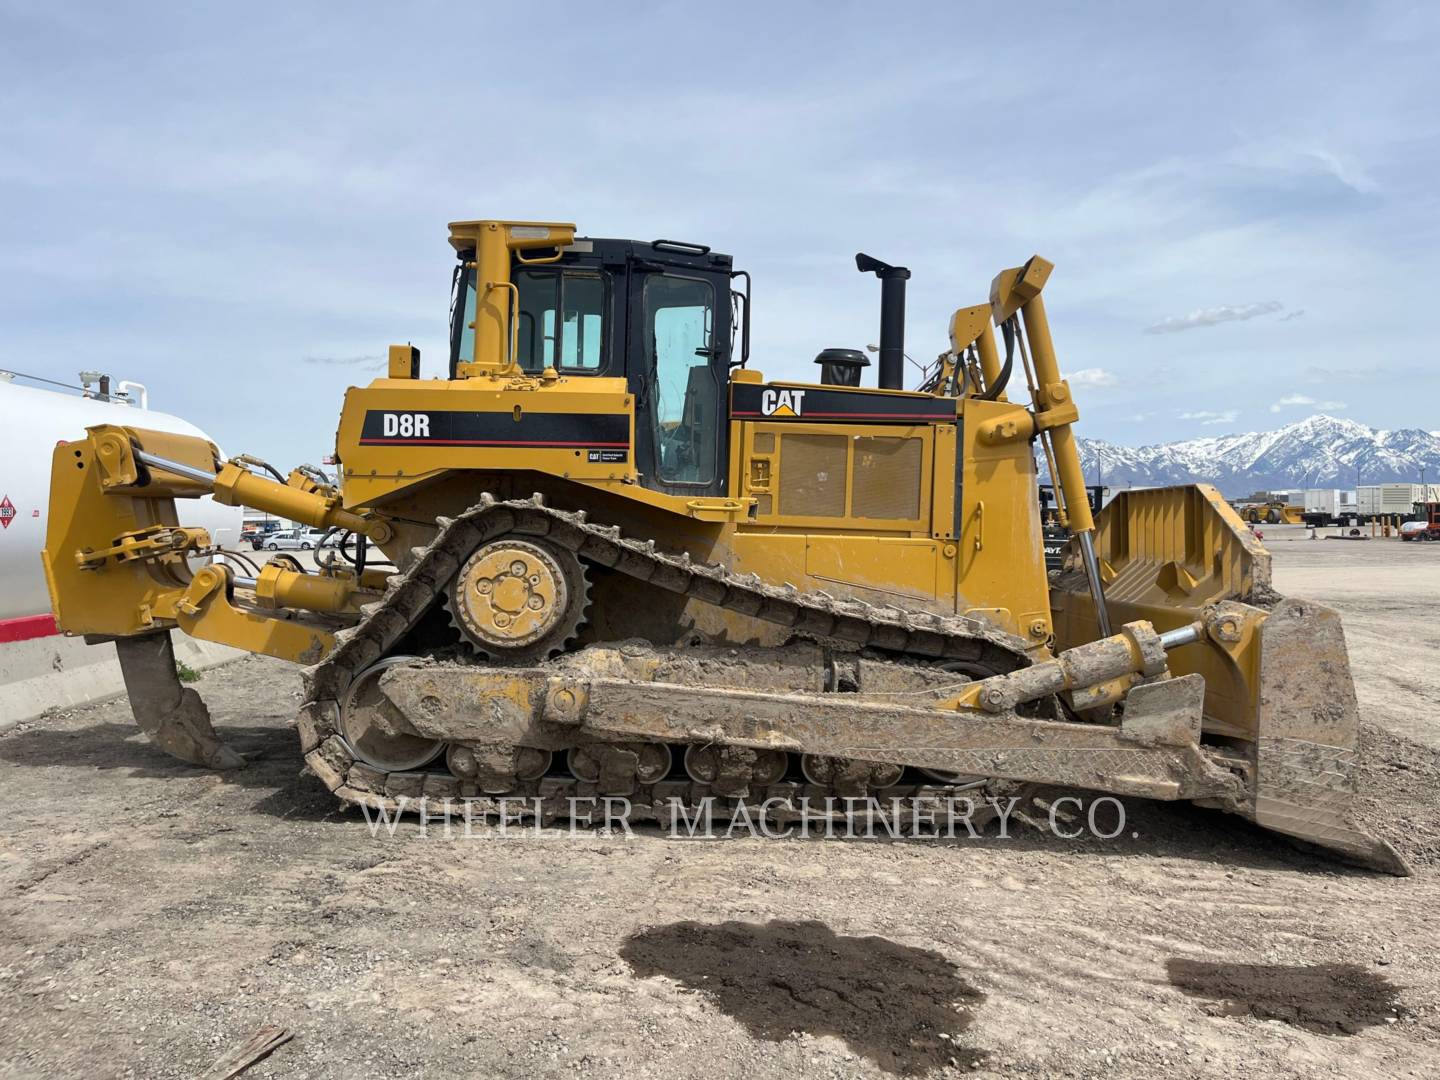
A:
892, 318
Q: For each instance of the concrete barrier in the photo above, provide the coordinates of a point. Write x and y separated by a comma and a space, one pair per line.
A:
59, 672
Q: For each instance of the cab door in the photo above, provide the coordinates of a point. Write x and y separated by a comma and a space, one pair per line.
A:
678, 364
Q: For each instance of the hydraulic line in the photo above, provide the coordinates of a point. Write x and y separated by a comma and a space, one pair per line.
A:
243, 560
995, 389
251, 459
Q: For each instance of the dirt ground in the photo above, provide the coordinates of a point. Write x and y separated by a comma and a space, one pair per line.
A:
1387, 591
154, 915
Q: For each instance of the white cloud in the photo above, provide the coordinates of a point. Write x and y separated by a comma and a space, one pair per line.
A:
1291, 316
1348, 172
1091, 377
1294, 400
1214, 315
1229, 416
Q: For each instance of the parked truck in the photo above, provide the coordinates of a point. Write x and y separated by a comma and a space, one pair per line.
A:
1426, 526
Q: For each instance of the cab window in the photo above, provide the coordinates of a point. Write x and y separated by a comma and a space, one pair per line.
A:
562, 321
679, 350
462, 318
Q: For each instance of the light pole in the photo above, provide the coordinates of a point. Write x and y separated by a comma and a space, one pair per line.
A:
924, 369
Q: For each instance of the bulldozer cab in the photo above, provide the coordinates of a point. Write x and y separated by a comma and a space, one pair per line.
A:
661, 315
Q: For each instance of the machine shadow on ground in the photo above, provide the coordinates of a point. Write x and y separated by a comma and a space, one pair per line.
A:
904, 1008
274, 769
122, 746
1329, 999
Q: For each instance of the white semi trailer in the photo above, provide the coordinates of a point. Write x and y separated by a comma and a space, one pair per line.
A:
38, 667
1393, 500
1329, 506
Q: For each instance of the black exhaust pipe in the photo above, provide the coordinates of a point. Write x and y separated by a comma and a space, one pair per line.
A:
892, 318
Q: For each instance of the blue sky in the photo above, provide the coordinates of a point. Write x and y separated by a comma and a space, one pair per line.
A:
241, 206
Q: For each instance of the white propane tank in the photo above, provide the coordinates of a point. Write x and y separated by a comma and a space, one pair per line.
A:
34, 420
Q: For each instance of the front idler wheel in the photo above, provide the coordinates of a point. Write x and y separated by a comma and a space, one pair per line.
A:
376, 731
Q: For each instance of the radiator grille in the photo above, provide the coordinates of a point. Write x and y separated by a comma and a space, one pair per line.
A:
812, 475
887, 478
764, 442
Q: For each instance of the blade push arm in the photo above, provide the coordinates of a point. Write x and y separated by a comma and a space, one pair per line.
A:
129, 463
118, 563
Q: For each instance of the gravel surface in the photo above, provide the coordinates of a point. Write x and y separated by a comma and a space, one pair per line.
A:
154, 916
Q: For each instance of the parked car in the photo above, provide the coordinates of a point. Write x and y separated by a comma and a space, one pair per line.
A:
257, 533
293, 540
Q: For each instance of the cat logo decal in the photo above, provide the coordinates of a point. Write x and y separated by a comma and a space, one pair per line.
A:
781, 402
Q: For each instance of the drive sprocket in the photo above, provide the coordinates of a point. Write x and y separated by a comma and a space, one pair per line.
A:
518, 600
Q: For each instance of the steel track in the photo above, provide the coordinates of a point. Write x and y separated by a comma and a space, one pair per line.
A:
898, 632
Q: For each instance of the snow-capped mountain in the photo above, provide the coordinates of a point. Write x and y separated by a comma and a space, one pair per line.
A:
1321, 451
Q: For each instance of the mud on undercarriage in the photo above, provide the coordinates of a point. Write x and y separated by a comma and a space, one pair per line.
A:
854, 718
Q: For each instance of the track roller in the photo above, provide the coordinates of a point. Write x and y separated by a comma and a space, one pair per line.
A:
849, 775
608, 764
497, 767
733, 770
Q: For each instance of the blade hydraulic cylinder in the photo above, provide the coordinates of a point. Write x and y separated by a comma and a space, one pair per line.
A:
1018, 290
234, 485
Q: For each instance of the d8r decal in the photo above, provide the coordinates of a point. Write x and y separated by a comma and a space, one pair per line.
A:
406, 425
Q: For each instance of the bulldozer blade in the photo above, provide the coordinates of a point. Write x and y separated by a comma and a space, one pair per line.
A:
174, 716
1308, 726
1278, 691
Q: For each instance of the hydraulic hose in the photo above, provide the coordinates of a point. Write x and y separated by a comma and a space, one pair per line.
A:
991, 393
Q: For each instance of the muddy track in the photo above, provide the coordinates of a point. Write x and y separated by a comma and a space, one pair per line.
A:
896, 632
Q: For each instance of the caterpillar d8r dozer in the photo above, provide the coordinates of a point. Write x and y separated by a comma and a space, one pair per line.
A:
606, 557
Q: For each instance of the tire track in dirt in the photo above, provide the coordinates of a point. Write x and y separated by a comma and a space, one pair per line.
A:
1093, 970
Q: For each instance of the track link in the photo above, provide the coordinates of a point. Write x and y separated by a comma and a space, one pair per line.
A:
899, 632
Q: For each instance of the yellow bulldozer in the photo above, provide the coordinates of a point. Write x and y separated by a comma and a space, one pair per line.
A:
604, 556
1274, 512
